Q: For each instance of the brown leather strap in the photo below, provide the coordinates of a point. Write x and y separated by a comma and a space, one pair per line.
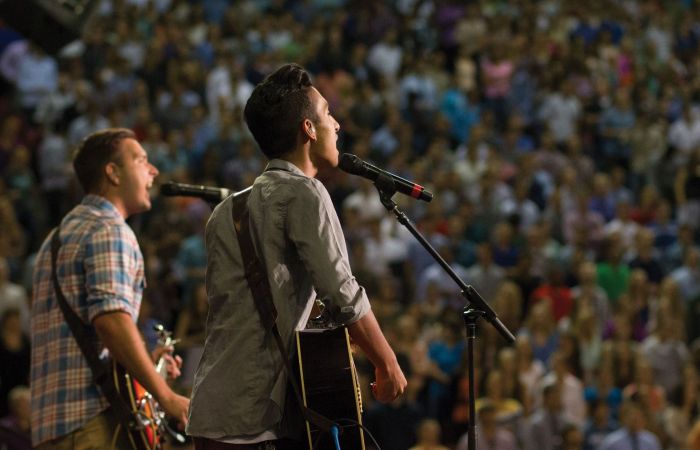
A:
101, 371
262, 296
256, 277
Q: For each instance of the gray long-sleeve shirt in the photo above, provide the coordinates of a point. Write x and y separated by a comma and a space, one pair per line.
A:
239, 386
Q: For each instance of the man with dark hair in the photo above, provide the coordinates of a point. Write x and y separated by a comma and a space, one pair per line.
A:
633, 435
238, 398
101, 273
546, 425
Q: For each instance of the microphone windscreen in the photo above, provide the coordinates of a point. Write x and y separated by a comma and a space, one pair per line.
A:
350, 163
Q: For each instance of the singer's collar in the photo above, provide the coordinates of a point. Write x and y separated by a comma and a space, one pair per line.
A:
101, 203
280, 164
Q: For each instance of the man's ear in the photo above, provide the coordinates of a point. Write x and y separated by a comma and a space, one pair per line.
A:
112, 173
309, 129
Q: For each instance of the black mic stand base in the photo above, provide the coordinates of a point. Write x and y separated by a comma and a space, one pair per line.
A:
470, 316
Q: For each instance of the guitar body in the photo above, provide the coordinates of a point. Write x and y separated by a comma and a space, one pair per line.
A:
329, 385
145, 434
148, 425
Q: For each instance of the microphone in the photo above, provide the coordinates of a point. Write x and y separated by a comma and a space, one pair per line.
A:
210, 194
352, 164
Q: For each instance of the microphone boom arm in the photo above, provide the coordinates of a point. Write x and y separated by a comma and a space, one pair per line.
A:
386, 188
477, 306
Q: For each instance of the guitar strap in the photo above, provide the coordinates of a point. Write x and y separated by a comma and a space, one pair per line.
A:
262, 297
101, 372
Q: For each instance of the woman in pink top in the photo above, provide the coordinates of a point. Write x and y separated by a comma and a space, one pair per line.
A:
497, 71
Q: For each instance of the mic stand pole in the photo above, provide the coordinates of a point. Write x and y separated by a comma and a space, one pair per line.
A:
477, 306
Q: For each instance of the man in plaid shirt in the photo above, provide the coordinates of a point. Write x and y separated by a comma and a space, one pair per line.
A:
101, 273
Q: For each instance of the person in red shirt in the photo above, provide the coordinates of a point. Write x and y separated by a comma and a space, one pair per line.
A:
555, 291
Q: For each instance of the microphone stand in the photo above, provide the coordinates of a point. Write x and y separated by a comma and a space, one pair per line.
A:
476, 308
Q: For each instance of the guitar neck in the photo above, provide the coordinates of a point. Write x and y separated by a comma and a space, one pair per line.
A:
164, 340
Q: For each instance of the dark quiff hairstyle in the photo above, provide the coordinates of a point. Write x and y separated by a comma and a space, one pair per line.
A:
94, 153
277, 107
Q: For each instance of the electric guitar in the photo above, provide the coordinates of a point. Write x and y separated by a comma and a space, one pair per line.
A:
329, 385
148, 426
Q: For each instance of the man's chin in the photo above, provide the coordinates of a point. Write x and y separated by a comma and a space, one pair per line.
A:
145, 206
335, 159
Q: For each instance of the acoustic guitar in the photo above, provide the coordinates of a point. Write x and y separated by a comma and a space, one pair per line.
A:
329, 385
148, 427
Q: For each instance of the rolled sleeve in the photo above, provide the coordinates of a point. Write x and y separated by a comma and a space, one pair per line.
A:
111, 271
316, 232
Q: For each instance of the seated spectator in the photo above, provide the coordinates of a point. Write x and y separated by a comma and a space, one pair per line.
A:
602, 200
572, 437
13, 296
602, 388
634, 433
14, 427
599, 424
644, 389
587, 332
521, 207
674, 254
492, 434
507, 410
645, 212
540, 329
613, 274
561, 110
513, 387
508, 304
645, 257
638, 303
446, 355
666, 352
530, 370
14, 356
570, 388
583, 225
677, 418
428, 434
554, 291
88, 122
687, 192
485, 275
544, 429
621, 227
665, 231
503, 248
37, 76
687, 276
590, 293
616, 123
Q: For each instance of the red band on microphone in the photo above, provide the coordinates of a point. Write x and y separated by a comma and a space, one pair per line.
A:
416, 191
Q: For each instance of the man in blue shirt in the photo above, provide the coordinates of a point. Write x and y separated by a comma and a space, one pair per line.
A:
633, 435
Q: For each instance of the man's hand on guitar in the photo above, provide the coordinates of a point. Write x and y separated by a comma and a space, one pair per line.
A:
161, 350
162, 356
389, 384
176, 406
172, 365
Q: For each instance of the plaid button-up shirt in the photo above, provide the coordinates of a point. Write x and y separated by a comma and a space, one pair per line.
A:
100, 269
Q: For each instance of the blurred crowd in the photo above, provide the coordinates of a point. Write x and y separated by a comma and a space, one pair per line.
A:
561, 141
